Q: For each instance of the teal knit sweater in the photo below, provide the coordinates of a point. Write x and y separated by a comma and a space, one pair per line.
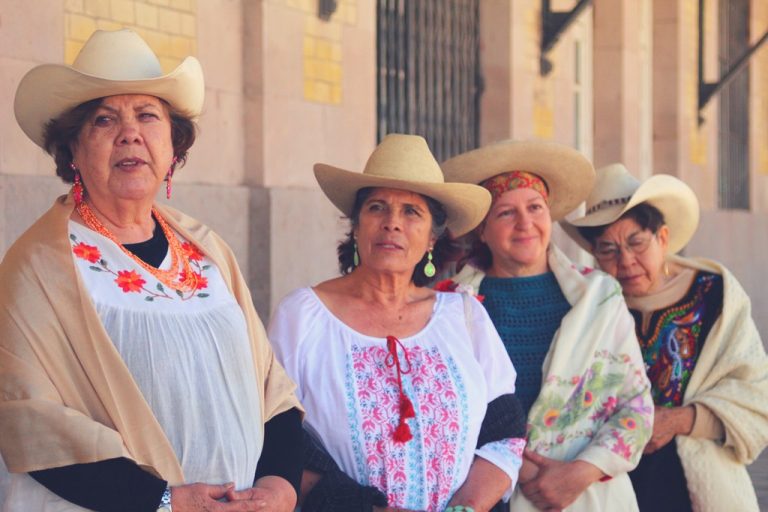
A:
526, 312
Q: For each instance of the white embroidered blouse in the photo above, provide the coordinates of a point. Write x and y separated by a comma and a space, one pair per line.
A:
188, 352
457, 366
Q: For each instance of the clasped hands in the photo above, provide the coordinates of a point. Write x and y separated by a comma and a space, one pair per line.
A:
551, 485
269, 494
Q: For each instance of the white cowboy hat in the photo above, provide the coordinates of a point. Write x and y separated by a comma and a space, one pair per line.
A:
110, 63
617, 191
405, 162
567, 173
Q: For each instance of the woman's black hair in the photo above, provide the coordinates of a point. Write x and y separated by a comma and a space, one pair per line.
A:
61, 134
645, 215
443, 251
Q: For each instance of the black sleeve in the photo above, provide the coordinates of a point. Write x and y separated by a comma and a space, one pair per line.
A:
336, 491
282, 452
112, 485
504, 418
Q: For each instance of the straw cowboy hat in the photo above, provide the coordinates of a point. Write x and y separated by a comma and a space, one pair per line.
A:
404, 162
568, 174
110, 63
617, 191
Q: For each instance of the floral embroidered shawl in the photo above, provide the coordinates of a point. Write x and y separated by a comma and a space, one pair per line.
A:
595, 403
731, 379
66, 396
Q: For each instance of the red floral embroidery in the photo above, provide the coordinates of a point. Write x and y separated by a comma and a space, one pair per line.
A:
132, 281
87, 252
200, 281
446, 285
191, 252
449, 285
129, 281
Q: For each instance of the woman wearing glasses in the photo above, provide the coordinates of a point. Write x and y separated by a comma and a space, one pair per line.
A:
580, 374
703, 354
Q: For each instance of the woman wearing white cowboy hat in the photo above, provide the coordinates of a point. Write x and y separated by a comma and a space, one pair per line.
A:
135, 371
407, 390
565, 328
703, 354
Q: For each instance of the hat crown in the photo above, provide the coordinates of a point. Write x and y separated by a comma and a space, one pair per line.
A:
406, 158
615, 186
117, 55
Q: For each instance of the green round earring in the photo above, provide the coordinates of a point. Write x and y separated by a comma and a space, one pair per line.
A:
429, 268
355, 257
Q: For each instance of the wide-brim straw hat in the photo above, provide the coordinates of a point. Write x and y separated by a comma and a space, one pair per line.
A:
617, 191
405, 162
568, 174
110, 63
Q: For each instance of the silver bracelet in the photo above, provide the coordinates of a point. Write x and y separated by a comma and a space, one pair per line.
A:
165, 501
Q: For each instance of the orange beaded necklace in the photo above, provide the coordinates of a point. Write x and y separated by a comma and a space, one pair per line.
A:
179, 264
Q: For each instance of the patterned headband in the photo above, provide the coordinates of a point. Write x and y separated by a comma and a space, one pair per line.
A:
513, 180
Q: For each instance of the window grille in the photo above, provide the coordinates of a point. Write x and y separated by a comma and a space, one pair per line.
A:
733, 164
429, 79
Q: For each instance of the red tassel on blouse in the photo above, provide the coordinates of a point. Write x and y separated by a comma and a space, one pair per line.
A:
403, 431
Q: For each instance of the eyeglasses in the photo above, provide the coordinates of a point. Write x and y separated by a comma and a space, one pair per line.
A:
606, 252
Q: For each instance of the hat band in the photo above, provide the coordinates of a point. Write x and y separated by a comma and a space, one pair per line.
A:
606, 203
512, 180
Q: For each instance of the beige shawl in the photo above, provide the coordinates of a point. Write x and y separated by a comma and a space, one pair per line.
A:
731, 379
66, 396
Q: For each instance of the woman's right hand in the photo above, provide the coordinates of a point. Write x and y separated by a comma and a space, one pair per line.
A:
205, 498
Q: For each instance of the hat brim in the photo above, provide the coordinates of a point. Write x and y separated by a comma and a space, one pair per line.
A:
673, 198
568, 174
466, 205
49, 90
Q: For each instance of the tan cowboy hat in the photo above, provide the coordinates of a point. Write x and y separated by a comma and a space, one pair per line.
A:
405, 162
110, 63
568, 174
617, 191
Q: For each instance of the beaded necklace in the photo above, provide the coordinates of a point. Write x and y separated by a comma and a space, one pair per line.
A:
179, 264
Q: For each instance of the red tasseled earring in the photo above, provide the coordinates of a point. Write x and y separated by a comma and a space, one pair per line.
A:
403, 431
168, 183
77, 186
168, 178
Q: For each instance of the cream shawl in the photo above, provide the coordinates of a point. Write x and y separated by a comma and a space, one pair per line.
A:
731, 379
66, 396
595, 403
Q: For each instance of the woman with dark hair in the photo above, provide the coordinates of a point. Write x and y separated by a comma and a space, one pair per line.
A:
565, 328
407, 391
135, 373
703, 354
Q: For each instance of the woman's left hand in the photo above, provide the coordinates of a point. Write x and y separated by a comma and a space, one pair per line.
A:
557, 484
669, 422
268, 494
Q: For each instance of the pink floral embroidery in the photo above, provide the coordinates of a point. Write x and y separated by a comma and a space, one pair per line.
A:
621, 448
436, 427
